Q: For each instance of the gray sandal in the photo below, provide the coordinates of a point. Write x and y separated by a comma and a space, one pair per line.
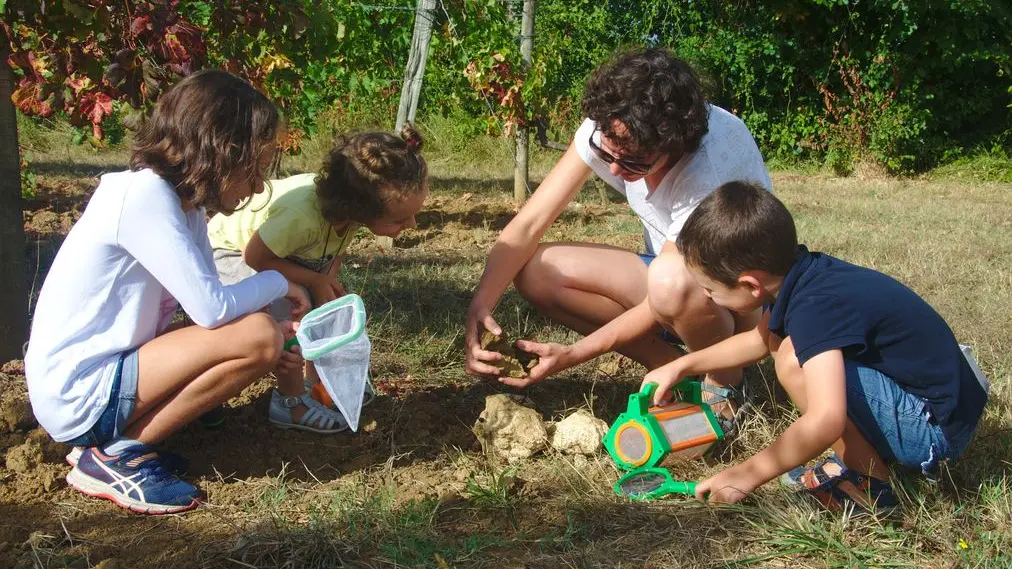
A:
317, 418
738, 403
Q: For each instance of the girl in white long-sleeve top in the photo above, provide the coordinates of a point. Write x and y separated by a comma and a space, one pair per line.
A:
107, 369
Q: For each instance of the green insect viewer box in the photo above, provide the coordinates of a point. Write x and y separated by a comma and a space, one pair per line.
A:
643, 436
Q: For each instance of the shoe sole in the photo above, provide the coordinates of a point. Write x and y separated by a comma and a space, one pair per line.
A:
297, 427
97, 489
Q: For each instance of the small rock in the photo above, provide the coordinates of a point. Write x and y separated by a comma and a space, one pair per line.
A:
580, 462
579, 433
508, 429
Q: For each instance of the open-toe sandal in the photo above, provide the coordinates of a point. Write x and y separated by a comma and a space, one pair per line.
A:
317, 418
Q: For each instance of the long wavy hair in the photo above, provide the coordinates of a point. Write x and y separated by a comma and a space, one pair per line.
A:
209, 131
655, 95
365, 172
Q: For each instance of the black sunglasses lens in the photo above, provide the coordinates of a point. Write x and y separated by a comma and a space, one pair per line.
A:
631, 167
634, 167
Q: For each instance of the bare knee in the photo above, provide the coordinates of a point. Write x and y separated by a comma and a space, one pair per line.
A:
673, 294
538, 282
260, 338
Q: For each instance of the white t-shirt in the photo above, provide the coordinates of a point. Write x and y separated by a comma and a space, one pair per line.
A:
727, 153
132, 258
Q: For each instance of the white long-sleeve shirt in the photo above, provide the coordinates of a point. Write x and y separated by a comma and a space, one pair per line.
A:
132, 258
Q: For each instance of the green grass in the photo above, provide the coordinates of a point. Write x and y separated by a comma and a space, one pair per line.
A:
948, 237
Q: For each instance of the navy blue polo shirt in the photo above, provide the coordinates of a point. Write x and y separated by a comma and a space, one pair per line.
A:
826, 304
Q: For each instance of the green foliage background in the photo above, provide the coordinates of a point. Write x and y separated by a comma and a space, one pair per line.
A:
906, 83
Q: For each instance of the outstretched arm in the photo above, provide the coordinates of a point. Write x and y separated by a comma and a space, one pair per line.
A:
513, 249
822, 423
737, 351
324, 287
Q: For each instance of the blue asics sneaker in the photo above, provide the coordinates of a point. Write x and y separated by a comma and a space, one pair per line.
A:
176, 463
136, 480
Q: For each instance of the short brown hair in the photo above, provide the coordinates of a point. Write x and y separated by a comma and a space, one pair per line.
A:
364, 172
739, 227
207, 128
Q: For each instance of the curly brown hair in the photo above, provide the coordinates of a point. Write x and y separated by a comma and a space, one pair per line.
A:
209, 129
363, 173
656, 95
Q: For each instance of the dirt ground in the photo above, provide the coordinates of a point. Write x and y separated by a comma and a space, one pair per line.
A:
412, 489
404, 441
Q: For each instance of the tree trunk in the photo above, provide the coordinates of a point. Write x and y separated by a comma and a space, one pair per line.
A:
521, 177
414, 71
13, 301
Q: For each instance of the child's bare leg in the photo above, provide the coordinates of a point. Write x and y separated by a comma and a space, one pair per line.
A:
853, 449
311, 373
292, 384
187, 372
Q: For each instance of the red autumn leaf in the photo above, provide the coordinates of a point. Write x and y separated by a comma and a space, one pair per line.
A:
28, 99
140, 24
101, 105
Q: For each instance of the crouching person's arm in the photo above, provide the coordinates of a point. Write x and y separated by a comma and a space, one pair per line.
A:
553, 358
737, 351
822, 422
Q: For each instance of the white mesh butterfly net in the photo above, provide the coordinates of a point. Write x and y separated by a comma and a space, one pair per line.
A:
333, 337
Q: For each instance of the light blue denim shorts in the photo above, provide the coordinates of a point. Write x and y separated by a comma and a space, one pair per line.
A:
897, 423
122, 400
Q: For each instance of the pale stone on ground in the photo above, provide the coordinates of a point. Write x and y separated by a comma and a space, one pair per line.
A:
510, 430
579, 433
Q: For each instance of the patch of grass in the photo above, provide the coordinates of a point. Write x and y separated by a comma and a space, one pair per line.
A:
992, 164
495, 490
947, 237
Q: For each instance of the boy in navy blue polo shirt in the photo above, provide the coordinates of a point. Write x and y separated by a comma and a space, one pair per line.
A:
876, 373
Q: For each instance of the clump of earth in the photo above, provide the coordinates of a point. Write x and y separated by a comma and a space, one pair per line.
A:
516, 362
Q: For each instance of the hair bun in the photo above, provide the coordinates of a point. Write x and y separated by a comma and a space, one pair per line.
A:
412, 137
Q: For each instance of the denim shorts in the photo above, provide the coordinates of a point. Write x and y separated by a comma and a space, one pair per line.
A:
122, 399
898, 424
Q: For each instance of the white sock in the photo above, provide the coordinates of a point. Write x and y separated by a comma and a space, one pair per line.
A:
118, 445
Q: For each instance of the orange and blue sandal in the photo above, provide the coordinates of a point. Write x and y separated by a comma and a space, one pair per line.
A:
730, 404
848, 489
809, 477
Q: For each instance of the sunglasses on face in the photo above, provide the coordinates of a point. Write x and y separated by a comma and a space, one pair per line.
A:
636, 168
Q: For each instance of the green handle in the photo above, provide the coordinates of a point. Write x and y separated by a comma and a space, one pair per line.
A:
294, 341
639, 403
681, 487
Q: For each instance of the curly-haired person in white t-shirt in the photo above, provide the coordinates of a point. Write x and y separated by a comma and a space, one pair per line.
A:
651, 134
